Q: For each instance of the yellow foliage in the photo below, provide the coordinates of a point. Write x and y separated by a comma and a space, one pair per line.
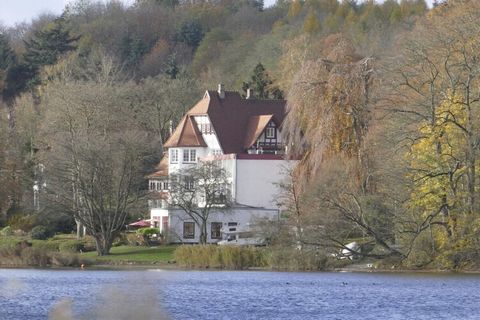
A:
436, 166
295, 9
311, 24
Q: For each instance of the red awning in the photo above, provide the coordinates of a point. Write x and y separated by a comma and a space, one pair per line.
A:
140, 223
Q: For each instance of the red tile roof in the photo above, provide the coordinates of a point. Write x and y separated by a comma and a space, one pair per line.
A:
236, 121
161, 170
256, 125
186, 135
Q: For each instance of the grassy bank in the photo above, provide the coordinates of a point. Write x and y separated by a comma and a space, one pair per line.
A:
134, 255
66, 251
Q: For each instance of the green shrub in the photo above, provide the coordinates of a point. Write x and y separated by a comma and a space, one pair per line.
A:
89, 243
22, 222
7, 231
47, 245
39, 233
120, 240
71, 246
148, 231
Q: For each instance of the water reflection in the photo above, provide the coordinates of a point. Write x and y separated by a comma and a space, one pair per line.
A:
114, 304
11, 288
79, 295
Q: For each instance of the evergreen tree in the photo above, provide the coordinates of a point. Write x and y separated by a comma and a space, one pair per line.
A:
7, 56
191, 33
262, 84
132, 50
7, 61
45, 48
171, 67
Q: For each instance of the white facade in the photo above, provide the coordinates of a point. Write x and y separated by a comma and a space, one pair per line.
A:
254, 172
257, 181
239, 218
254, 191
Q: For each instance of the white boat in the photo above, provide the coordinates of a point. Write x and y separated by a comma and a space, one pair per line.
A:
240, 238
347, 252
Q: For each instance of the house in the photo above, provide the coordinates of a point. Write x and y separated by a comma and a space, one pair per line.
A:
241, 133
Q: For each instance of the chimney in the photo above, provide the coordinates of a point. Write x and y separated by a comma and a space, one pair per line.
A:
221, 91
170, 127
249, 94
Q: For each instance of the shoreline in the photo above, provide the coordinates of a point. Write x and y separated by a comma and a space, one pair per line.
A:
173, 267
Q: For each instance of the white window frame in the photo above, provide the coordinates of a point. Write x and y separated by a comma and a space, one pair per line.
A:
270, 133
173, 155
217, 152
189, 156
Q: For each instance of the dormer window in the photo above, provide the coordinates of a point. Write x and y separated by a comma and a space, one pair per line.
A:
270, 132
204, 125
189, 156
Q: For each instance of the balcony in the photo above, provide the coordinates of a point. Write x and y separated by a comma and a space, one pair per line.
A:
267, 148
157, 204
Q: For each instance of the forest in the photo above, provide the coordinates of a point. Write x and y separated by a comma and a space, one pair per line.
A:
382, 105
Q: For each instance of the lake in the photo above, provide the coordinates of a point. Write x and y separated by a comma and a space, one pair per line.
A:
159, 294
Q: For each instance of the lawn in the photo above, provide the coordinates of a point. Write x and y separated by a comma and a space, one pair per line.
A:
136, 254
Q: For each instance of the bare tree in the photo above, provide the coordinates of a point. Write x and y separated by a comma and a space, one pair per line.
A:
199, 190
96, 158
159, 103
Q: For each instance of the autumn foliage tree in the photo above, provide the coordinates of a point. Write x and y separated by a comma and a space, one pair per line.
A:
434, 91
330, 109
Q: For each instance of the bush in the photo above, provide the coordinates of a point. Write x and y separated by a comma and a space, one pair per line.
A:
71, 246
282, 258
134, 239
39, 233
22, 222
7, 231
35, 257
49, 245
66, 259
120, 240
10, 256
146, 234
224, 257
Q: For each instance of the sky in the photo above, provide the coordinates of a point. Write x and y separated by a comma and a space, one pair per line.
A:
17, 11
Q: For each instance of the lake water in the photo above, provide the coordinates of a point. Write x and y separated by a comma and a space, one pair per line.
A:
90, 294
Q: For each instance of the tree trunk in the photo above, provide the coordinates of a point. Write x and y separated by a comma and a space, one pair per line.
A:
203, 233
103, 244
11, 117
80, 230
